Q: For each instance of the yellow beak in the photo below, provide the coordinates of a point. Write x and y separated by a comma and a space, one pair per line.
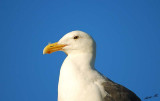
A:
50, 48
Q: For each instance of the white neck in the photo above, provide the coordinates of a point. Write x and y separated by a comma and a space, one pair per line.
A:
82, 60
78, 72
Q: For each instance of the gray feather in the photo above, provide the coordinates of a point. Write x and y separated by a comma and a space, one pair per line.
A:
118, 92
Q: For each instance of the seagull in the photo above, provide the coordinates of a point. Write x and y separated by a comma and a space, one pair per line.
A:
78, 79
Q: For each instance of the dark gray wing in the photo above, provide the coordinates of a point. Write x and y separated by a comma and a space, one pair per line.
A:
118, 93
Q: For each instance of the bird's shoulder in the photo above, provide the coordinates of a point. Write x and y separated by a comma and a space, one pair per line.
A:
117, 92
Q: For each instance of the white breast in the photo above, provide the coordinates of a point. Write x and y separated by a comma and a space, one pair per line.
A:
77, 84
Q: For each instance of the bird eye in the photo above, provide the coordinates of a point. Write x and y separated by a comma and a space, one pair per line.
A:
76, 37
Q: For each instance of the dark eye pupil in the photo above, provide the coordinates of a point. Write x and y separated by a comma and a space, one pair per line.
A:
76, 37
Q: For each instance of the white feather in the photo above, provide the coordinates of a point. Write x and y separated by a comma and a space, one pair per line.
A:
78, 80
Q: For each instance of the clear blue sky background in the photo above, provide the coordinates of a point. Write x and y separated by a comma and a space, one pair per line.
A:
127, 33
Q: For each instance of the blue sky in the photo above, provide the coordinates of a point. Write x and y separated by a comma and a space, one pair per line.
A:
127, 33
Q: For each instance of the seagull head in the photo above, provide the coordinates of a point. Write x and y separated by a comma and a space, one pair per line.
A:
72, 43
